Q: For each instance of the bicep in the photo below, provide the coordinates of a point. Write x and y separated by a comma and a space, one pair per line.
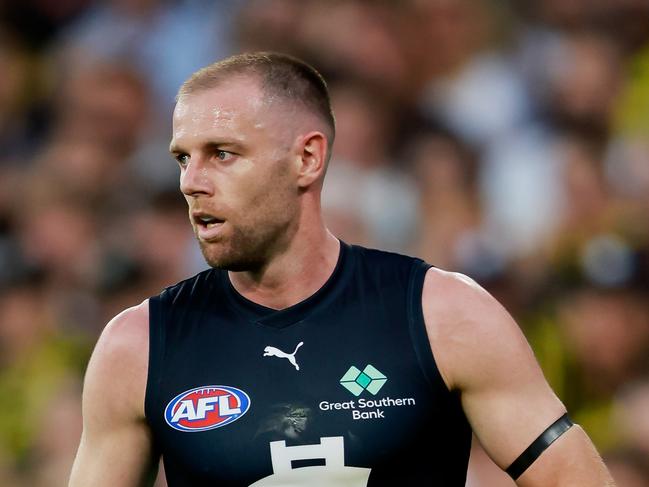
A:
504, 393
116, 443
510, 404
482, 353
121, 456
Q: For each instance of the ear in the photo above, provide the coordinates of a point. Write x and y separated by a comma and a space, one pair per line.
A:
312, 158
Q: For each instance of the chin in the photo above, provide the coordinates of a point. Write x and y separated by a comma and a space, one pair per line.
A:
227, 259
216, 258
243, 248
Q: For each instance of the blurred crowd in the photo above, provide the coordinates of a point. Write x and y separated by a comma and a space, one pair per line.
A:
508, 140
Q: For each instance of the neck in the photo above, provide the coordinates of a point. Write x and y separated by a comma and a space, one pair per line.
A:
296, 273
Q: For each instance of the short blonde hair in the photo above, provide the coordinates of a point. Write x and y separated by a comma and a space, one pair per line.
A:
280, 75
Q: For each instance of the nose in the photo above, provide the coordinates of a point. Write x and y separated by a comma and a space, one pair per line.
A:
195, 180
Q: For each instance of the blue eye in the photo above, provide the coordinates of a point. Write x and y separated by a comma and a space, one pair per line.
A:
182, 159
223, 155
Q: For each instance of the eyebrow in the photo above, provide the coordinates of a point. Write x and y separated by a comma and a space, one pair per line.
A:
211, 145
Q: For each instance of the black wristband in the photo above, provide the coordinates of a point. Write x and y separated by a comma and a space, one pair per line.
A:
538, 446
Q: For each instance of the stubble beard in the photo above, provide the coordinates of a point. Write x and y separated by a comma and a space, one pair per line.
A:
245, 249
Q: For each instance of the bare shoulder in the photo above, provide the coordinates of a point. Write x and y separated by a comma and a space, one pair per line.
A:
127, 331
116, 443
453, 291
469, 329
119, 363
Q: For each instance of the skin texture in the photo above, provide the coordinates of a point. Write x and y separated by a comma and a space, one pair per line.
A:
257, 165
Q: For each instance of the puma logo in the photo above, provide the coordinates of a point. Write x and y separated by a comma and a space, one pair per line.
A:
276, 352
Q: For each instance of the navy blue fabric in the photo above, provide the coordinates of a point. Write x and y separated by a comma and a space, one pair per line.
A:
404, 426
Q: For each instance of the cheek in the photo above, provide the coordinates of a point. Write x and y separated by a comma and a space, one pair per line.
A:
275, 198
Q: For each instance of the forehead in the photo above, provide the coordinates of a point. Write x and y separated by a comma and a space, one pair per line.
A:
230, 102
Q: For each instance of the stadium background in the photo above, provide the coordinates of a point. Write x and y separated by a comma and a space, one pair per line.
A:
506, 140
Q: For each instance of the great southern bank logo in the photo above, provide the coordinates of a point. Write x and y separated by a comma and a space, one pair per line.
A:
206, 407
370, 379
357, 381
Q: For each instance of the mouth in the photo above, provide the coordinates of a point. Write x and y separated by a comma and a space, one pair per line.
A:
208, 221
207, 226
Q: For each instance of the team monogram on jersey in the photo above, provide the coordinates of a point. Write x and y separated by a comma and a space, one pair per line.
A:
206, 407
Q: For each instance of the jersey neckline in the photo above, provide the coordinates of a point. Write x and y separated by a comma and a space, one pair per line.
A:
263, 315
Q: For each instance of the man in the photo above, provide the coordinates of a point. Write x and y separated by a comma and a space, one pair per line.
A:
298, 359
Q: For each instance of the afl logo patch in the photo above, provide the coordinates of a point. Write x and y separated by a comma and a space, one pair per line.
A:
206, 407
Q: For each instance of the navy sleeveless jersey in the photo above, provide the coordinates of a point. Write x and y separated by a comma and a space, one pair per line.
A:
338, 390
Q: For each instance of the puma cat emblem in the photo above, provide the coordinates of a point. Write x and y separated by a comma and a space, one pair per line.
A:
276, 352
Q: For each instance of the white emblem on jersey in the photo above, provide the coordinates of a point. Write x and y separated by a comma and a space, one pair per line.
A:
333, 472
276, 352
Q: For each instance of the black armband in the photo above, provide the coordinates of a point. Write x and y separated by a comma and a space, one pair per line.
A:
538, 446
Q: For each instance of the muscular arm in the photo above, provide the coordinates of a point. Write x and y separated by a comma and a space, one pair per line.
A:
115, 446
481, 352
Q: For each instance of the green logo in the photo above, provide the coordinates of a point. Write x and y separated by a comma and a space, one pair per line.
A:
370, 379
